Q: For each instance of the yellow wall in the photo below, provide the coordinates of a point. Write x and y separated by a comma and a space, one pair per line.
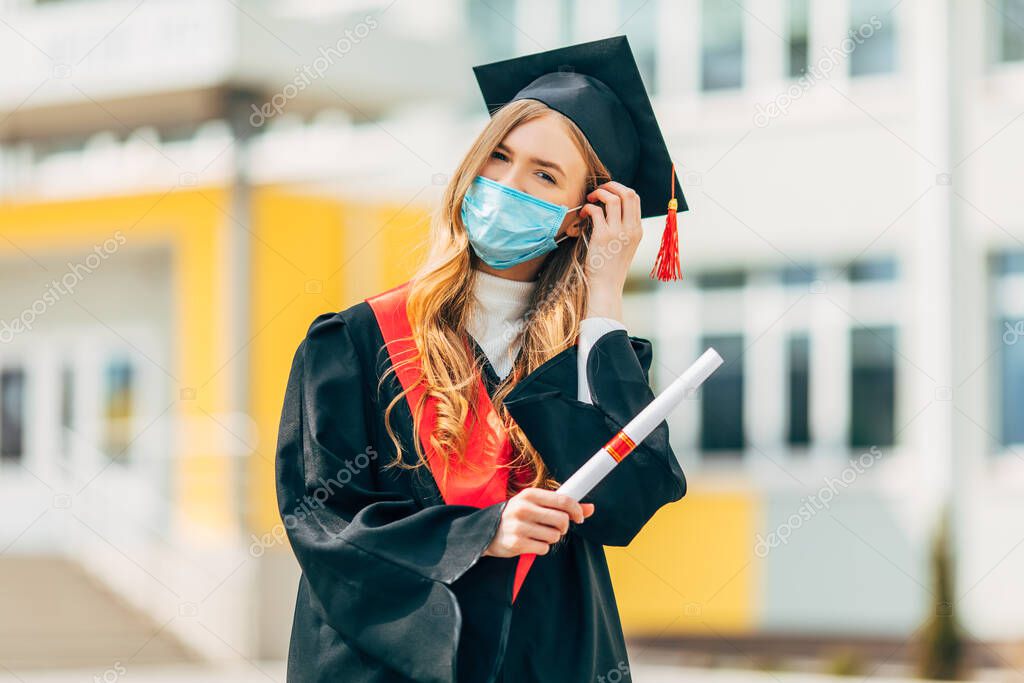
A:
691, 570
188, 221
311, 255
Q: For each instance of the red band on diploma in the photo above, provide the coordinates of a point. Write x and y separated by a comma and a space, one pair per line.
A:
620, 446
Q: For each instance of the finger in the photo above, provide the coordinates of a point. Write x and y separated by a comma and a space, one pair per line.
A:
630, 198
538, 514
560, 501
588, 509
535, 507
612, 204
533, 493
534, 547
551, 499
630, 205
630, 202
597, 217
541, 532
555, 501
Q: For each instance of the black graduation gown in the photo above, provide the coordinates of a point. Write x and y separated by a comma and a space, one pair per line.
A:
393, 586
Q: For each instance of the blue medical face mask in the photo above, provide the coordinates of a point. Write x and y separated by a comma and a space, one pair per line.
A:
506, 226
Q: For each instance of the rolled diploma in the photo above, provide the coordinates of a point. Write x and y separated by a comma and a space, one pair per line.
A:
639, 428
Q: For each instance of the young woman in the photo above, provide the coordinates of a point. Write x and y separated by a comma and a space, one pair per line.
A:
425, 429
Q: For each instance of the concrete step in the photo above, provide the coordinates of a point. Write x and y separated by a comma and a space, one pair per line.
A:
55, 615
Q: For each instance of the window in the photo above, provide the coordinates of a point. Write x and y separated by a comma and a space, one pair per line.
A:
1009, 262
1011, 380
721, 45
1008, 20
12, 414
638, 19
118, 408
874, 270
1008, 270
872, 27
798, 431
67, 412
56, 146
798, 40
721, 405
180, 132
721, 279
873, 386
799, 274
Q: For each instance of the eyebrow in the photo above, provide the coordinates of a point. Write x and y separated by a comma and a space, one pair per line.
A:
534, 160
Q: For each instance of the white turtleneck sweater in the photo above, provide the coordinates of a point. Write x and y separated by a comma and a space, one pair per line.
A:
498, 316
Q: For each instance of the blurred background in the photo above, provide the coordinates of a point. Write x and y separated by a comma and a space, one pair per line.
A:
185, 185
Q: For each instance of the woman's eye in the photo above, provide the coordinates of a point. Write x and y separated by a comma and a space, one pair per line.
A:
547, 178
499, 156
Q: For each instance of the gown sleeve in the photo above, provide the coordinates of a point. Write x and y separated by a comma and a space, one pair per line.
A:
567, 432
378, 565
591, 329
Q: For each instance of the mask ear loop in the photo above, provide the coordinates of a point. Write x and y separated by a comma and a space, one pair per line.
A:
567, 235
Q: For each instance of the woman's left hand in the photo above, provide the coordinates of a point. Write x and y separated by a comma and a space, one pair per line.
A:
613, 243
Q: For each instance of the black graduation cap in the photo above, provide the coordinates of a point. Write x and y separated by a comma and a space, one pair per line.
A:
598, 86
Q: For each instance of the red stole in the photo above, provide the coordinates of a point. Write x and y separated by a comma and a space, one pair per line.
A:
478, 482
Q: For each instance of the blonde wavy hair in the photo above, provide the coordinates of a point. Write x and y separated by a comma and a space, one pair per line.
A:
441, 296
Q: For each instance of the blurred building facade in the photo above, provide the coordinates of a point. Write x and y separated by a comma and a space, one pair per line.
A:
185, 186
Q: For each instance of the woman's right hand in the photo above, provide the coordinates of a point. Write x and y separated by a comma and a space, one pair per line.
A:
532, 520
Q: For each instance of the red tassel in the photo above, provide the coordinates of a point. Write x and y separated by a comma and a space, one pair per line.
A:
666, 265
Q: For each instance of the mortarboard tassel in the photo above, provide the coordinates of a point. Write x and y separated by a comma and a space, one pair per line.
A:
666, 265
